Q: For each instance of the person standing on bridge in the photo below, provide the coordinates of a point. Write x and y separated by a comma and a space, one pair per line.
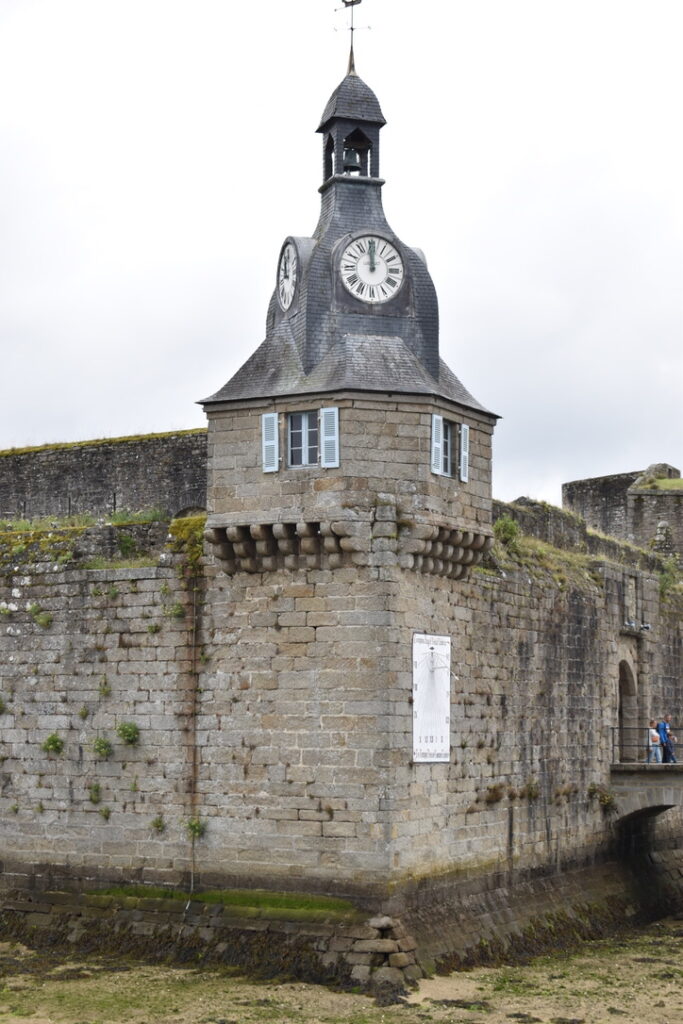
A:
664, 730
654, 744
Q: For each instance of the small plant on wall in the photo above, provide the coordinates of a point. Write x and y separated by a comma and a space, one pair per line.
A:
195, 828
158, 824
95, 793
102, 747
128, 732
54, 744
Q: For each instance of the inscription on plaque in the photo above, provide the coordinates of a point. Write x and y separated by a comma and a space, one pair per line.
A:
431, 697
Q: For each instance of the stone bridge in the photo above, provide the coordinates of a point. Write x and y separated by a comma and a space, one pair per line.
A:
646, 789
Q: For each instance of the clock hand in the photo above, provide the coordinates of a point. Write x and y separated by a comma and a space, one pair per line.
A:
372, 246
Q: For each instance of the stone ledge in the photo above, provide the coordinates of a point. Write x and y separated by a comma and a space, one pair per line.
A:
431, 548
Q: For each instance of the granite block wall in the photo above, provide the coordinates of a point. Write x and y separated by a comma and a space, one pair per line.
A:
384, 447
160, 471
275, 708
630, 507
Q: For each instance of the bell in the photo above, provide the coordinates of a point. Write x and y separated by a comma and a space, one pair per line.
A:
352, 163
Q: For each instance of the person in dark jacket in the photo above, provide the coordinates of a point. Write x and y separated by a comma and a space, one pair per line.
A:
664, 730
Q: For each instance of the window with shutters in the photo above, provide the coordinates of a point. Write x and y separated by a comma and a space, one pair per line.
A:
450, 448
303, 438
312, 439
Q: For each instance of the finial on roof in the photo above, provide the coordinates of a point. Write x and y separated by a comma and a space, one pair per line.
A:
352, 63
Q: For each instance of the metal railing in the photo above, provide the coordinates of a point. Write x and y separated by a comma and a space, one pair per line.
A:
631, 744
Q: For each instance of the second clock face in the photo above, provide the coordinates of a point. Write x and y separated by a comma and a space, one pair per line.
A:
286, 275
371, 269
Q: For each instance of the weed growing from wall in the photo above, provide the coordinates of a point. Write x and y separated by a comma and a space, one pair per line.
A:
128, 732
195, 828
669, 577
506, 531
41, 618
175, 611
605, 798
102, 747
54, 744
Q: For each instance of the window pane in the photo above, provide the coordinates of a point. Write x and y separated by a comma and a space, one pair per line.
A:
312, 440
446, 448
296, 439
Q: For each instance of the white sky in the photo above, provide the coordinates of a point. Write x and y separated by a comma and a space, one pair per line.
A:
155, 153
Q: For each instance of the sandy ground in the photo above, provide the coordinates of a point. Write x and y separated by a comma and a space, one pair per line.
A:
637, 980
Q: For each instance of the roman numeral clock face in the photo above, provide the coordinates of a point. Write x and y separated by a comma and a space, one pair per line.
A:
287, 272
371, 269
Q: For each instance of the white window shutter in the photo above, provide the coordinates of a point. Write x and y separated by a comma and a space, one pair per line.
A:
464, 452
269, 442
437, 444
329, 437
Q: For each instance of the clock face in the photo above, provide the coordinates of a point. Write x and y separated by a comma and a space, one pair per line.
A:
286, 275
371, 269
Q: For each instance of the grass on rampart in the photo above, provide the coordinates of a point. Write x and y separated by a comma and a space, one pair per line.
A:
663, 483
514, 550
124, 517
98, 442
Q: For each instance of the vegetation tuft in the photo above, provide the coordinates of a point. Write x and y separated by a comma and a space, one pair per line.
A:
102, 747
128, 732
54, 744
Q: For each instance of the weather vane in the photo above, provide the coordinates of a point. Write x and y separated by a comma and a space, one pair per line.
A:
350, 4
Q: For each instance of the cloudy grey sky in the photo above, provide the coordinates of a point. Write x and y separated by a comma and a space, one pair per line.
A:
155, 153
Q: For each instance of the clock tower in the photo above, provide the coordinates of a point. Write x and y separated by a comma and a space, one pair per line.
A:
349, 494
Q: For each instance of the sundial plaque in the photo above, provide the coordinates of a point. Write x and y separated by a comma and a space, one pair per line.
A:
431, 697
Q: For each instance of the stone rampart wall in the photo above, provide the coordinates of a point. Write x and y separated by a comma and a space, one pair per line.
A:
293, 750
380, 953
648, 508
601, 501
564, 529
164, 471
626, 507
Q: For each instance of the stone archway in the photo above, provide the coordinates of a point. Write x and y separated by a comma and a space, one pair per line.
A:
630, 742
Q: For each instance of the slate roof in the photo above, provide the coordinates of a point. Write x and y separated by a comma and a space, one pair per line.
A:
352, 100
354, 363
328, 340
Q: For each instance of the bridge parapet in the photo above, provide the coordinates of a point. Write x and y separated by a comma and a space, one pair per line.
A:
646, 788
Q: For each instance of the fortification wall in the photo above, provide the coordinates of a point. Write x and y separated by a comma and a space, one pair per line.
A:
647, 508
629, 507
160, 471
302, 775
601, 501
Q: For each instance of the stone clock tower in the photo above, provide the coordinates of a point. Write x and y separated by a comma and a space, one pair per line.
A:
349, 493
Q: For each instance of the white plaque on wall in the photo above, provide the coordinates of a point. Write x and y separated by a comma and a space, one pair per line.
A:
431, 697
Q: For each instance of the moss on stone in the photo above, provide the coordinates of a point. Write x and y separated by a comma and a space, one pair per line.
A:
36, 546
245, 902
187, 539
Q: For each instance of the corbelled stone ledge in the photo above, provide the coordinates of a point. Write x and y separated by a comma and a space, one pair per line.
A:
424, 547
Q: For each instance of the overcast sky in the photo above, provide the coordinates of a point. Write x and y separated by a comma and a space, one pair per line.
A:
155, 153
